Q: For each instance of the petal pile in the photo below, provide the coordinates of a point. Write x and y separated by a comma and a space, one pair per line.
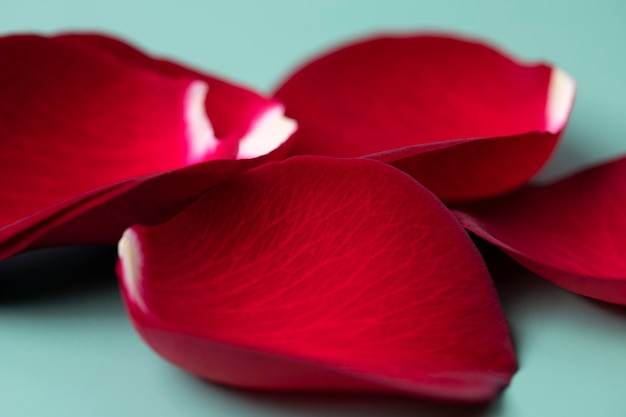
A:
462, 118
245, 124
320, 273
345, 266
571, 232
82, 125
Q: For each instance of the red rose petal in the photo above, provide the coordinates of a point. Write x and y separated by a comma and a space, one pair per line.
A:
80, 127
398, 98
101, 216
253, 125
320, 273
570, 232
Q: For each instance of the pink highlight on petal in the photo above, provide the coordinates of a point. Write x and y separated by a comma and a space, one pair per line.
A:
570, 232
320, 274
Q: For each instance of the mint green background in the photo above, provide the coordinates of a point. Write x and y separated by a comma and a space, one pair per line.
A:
72, 352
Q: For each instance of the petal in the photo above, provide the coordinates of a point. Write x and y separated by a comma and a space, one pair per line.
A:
79, 127
570, 232
252, 124
320, 273
101, 216
460, 117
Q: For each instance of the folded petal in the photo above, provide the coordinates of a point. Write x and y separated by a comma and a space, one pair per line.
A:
79, 126
252, 125
459, 116
571, 232
101, 216
320, 273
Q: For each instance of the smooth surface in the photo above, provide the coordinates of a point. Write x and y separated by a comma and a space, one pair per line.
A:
72, 352
325, 297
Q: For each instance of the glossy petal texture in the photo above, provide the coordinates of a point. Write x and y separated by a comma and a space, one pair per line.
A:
570, 232
320, 273
465, 120
80, 126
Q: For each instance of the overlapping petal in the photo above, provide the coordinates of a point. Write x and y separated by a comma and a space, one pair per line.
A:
83, 126
320, 273
462, 118
246, 124
316, 272
570, 232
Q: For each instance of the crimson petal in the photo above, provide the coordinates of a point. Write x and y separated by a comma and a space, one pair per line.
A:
252, 125
462, 118
320, 273
80, 127
570, 232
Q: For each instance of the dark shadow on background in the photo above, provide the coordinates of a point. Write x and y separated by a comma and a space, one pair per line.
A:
616, 310
524, 293
517, 287
515, 284
58, 272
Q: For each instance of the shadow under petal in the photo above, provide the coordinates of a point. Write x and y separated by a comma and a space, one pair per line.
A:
56, 272
615, 310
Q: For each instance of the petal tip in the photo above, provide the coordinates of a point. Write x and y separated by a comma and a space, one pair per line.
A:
200, 135
561, 93
268, 132
130, 262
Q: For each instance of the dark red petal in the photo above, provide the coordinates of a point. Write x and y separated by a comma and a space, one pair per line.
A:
79, 127
320, 273
101, 216
572, 232
398, 98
